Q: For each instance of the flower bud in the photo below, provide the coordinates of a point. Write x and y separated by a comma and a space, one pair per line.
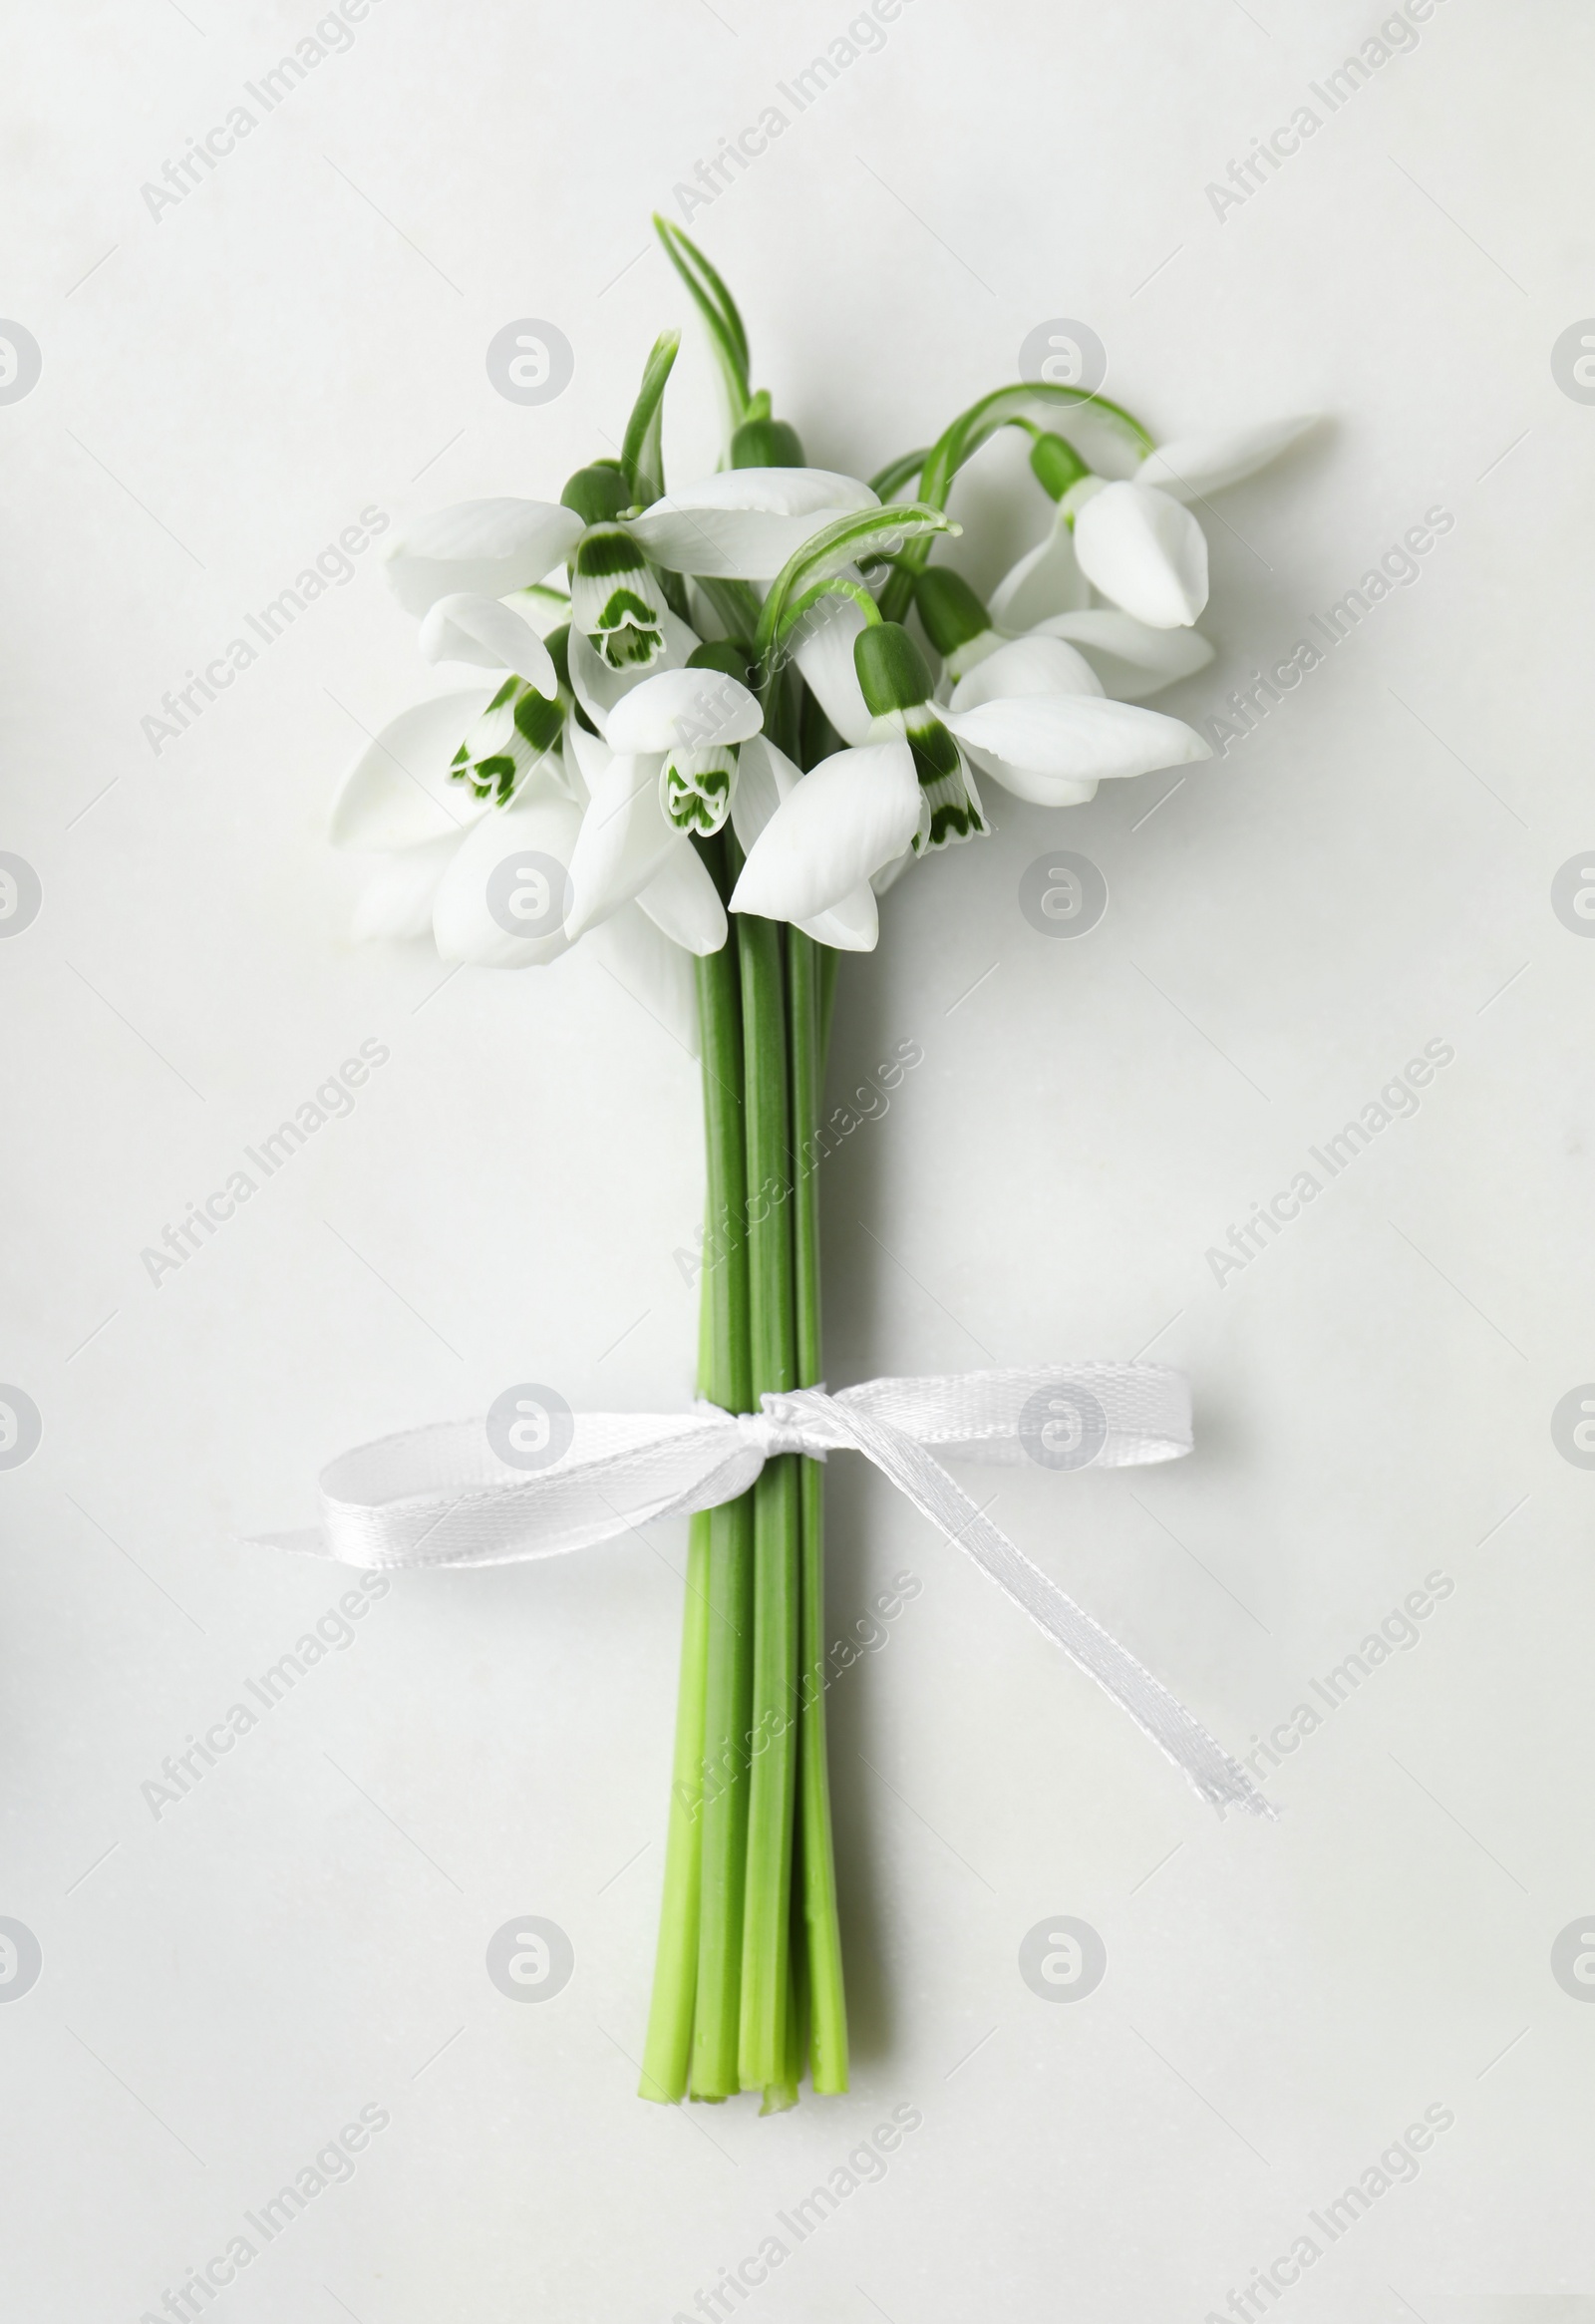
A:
956, 622
1056, 465
767, 444
598, 494
891, 669
721, 653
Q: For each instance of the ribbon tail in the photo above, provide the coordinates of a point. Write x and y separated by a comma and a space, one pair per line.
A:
1182, 1737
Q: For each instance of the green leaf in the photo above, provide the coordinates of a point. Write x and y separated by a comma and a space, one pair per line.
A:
898, 473
718, 309
735, 603
642, 454
883, 532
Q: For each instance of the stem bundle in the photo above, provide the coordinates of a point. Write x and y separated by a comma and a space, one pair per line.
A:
748, 1980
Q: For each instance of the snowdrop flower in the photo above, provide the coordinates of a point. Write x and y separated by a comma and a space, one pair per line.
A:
489, 549
1129, 659
1134, 541
664, 767
1034, 717
1030, 713
439, 790
833, 828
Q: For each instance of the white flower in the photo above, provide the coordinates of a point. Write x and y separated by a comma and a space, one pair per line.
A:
1129, 658
1029, 712
472, 807
833, 827
745, 524
1135, 542
665, 765
1034, 717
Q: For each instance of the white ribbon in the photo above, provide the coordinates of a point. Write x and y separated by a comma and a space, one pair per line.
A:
441, 1496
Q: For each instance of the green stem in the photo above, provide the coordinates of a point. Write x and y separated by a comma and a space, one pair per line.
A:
809, 980
668, 2049
727, 1664
773, 1728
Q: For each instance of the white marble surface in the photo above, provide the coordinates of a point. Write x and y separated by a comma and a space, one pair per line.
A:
225, 386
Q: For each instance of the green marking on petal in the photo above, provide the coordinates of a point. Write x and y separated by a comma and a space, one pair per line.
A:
605, 550
695, 789
953, 809
539, 719
513, 734
616, 600
935, 752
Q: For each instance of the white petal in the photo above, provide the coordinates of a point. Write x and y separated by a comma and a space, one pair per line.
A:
624, 841
683, 901
774, 491
395, 905
889, 873
847, 816
656, 972
1046, 581
598, 688
463, 628
743, 524
1146, 553
728, 544
486, 546
1129, 659
397, 792
1194, 466
822, 647
765, 775
851, 925
1027, 665
1031, 744
694, 710
465, 920
546, 609
587, 755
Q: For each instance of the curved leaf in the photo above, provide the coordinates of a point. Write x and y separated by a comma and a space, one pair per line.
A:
642, 454
898, 473
719, 310
866, 531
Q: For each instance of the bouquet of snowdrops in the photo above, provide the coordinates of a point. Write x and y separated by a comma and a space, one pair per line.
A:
755, 704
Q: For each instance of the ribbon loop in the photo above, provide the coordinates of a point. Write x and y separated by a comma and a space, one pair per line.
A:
441, 1496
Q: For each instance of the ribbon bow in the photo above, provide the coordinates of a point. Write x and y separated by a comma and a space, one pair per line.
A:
443, 1496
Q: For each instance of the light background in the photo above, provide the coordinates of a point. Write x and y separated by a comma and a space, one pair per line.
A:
224, 389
